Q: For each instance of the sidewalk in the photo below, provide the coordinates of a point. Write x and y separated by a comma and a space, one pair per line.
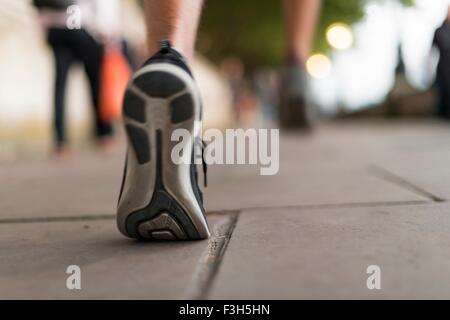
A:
352, 195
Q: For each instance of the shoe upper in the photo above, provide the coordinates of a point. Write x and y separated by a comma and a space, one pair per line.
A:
168, 54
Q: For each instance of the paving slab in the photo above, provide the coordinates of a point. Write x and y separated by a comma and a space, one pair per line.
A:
428, 171
236, 188
317, 170
313, 171
335, 166
308, 232
415, 155
87, 184
324, 254
34, 258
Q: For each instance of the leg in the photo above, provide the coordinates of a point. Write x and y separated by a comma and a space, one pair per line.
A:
441, 104
445, 96
300, 24
160, 198
300, 21
90, 52
174, 20
63, 60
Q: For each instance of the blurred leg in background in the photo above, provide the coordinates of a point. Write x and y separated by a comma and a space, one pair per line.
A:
69, 46
90, 53
174, 20
64, 58
301, 18
442, 41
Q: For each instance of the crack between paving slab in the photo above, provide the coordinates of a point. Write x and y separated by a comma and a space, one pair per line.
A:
209, 263
391, 177
226, 212
58, 219
339, 205
84, 218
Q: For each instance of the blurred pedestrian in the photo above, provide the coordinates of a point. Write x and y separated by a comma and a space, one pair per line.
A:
84, 43
442, 41
300, 19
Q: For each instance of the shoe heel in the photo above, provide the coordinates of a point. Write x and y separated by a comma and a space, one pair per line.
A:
159, 99
164, 218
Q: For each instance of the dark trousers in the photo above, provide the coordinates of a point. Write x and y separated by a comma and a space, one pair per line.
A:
68, 47
442, 107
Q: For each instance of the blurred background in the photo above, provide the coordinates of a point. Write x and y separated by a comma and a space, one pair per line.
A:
371, 58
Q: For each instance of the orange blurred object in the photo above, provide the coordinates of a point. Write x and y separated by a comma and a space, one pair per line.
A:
115, 73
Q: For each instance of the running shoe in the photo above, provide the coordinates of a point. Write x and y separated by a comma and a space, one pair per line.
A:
295, 112
160, 199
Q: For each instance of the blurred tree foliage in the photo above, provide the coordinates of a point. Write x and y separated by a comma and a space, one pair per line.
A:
253, 29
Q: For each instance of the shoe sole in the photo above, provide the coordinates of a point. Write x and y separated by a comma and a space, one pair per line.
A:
157, 201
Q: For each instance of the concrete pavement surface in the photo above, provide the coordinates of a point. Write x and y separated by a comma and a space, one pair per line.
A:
350, 196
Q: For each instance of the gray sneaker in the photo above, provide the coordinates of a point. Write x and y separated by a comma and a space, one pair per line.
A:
161, 200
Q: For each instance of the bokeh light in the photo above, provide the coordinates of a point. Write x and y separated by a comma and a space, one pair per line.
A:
318, 66
339, 36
